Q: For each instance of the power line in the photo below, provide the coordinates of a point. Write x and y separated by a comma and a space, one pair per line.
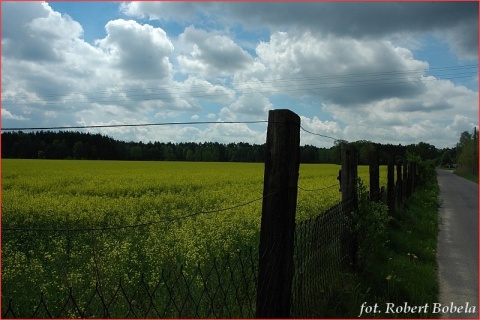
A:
168, 96
268, 81
166, 93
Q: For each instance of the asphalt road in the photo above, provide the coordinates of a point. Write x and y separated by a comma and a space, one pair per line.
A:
457, 248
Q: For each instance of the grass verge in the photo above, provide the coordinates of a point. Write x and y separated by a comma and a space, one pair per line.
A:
400, 273
405, 270
467, 176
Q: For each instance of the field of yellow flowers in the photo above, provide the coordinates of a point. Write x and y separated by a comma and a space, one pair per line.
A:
71, 223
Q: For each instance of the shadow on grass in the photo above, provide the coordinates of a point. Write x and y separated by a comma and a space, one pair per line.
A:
399, 274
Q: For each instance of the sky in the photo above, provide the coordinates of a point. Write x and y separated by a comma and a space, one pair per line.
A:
395, 72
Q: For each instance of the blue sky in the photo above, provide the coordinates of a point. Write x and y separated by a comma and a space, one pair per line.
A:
384, 72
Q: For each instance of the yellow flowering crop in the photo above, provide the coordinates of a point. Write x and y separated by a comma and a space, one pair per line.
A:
110, 196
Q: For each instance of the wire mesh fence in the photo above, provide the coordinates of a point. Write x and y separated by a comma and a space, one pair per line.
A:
225, 288
323, 248
222, 288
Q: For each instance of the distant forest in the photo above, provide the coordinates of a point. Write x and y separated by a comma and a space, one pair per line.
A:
80, 145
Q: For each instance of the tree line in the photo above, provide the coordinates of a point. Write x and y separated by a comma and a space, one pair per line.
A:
90, 146
465, 159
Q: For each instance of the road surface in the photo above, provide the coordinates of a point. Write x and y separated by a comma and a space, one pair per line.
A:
457, 248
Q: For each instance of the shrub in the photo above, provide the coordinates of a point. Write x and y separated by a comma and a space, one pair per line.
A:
369, 227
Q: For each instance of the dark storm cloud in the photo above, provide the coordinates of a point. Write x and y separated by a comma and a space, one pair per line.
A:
455, 21
425, 107
348, 95
359, 19
343, 71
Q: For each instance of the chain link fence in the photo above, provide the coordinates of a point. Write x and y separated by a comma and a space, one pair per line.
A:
323, 248
226, 288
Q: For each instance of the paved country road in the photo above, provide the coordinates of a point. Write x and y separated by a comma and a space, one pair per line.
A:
457, 248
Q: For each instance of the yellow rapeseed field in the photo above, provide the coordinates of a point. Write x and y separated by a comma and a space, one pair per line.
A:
114, 219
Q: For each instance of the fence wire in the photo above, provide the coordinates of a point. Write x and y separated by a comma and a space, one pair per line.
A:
144, 224
322, 251
225, 288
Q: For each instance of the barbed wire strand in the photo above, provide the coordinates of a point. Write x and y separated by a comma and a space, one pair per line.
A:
118, 125
178, 218
133, 125
318, 134
162, 220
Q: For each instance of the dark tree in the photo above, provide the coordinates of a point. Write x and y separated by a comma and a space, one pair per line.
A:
81, 145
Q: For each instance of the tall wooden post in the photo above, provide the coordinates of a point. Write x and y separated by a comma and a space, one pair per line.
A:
374, 171
345, 171
399, 183
348, 183
405, 180
354, 176
414, 177
390, 185
282, 162
411, 175
348, 174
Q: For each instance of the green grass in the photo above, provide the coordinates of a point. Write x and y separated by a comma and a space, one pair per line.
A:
412, 251
403, 270
468, 176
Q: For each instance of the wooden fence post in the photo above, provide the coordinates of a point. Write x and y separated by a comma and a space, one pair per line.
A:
410, 178
354, 176
414, 176
348, 186
390, 185
349, 173
345, 171
282, 163
399, 183
374, 171
405, 180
